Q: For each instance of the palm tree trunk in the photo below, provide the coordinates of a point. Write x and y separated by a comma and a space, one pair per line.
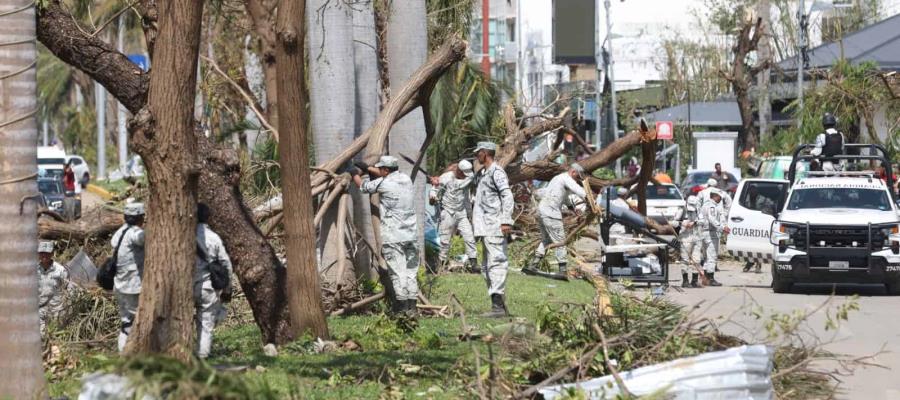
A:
332, 90
407, 48
367, 107
22, 374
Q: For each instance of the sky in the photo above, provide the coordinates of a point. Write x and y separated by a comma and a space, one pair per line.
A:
643, 24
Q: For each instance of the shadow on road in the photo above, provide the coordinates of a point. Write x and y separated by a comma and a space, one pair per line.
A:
839, 289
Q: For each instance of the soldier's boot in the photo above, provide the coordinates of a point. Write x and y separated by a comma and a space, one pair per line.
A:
712, 279
563, 271
747, 266
498, 307
684, 280
473, 266
694, 280
531, 267
758, 268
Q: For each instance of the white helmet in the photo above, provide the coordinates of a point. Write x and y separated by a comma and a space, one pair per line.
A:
692, 203
465, 166
712, 182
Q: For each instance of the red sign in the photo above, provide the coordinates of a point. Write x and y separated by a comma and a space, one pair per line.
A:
665, 130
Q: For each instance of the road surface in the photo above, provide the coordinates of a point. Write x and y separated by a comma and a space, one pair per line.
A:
875, 325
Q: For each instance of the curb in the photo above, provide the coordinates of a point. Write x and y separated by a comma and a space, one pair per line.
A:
99, 191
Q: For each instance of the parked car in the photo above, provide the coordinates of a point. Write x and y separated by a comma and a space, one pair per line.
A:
51, 161
695, 181
665, 203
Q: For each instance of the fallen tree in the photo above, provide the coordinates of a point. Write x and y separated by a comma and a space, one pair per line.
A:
258, 268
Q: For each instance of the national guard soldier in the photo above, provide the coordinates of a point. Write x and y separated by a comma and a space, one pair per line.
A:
453, 197
551, 221
398, 229
208, 301
711, 224
53, 283
690, 243
829, 144
129, 239
492, 220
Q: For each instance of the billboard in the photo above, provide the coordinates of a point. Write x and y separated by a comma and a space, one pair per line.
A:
574, 31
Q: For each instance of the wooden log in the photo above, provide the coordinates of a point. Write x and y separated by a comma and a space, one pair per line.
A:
97, 223
359, 304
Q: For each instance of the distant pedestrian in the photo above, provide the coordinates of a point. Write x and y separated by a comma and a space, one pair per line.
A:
492, 222
53, 283
129, 239
398, 230
721, 177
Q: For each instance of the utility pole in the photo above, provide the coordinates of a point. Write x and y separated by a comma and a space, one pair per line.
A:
121, 127
613, 116
100, 105
485, 38
520, 56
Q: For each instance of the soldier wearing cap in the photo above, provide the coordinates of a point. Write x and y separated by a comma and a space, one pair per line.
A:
492, 221
690, 243
53, 283
129, 267
453, 197
398, 229
550, 222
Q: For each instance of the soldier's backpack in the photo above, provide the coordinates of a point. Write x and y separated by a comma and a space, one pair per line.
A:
218, 274
106, 275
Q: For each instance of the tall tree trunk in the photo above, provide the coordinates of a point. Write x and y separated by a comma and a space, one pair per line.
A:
262, 13
22, 374
764, 103
259, 270
164, 319
304, 293
367, 106
407, 48
332, 90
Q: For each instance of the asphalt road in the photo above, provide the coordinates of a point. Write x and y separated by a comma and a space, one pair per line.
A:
874, 327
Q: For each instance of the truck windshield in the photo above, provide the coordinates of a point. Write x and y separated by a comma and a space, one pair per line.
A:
49, 187
661, 192
867, 199
51, 161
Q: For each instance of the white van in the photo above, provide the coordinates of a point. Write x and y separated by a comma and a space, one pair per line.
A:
51, 161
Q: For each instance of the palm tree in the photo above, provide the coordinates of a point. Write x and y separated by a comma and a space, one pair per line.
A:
407, 48
20, 339
367, 106
332, 90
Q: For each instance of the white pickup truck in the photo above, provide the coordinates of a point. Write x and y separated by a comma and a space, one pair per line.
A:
827, 227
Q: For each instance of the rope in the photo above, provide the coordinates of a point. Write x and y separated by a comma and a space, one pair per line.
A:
19, 179
17, 72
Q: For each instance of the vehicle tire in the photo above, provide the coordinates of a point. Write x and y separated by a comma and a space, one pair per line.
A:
893, 288
780, 286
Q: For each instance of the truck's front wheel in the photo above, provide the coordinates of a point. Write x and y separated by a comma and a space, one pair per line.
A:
893, 288
780, 286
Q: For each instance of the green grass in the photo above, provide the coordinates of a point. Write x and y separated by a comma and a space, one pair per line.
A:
430, 363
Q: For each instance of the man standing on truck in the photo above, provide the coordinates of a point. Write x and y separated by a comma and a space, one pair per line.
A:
711, 225
829, 144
